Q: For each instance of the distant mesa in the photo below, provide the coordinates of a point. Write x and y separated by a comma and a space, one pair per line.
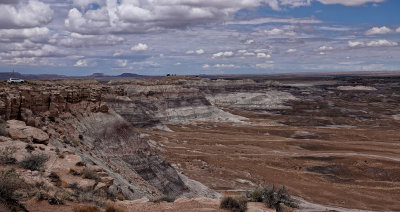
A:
124, 75
8, 75
96, 75
130, 75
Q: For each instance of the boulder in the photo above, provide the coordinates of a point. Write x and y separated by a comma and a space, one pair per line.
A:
86, 183
19, 130
107, 180
101, 186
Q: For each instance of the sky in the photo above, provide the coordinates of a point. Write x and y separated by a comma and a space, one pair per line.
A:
193, 37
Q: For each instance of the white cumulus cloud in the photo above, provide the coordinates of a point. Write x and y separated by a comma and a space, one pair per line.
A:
354, 44
378, 30
34, 34
379, 43
223, 54
200, 51
349, 2
140, 47
225, 66
263, 55
122, 63
291, 50
373, 43
248, 42
81, 63
325, 48
133, 16
25, 15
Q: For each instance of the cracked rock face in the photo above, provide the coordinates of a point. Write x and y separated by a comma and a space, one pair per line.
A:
118, 143
99, 121
18, 130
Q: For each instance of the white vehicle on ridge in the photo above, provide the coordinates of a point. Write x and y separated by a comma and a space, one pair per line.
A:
15, 80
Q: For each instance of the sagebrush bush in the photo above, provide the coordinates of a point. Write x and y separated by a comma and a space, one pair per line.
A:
6, 155
80, 163
54, 200
29, 148
2, 127
9, 183
233, 204
256, 196
90, 174
274, 198
34, 162
54, 177
74, 172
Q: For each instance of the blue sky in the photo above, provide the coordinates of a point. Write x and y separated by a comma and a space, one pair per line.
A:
156, 37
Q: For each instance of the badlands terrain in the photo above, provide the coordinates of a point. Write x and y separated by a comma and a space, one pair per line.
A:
333, 141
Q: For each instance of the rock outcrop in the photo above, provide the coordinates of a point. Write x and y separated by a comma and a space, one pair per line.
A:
98, 121
122, 149
18, 130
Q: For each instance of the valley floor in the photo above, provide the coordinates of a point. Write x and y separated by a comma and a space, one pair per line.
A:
346, 155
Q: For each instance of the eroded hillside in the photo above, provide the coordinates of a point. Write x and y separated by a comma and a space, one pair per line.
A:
331, 141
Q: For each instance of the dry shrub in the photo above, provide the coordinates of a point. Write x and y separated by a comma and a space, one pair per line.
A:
80, 163
54, 200
29, 148
232, 204
9, 184
34, 162
90, 174
2, 127
74, 172
86, 208
6, 155
275, 198
256, 196
54, 177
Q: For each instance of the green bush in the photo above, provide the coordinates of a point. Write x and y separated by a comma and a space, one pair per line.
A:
233, 204
256, 196
34, 162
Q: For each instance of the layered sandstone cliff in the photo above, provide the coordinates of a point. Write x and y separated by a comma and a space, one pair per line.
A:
98, 121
